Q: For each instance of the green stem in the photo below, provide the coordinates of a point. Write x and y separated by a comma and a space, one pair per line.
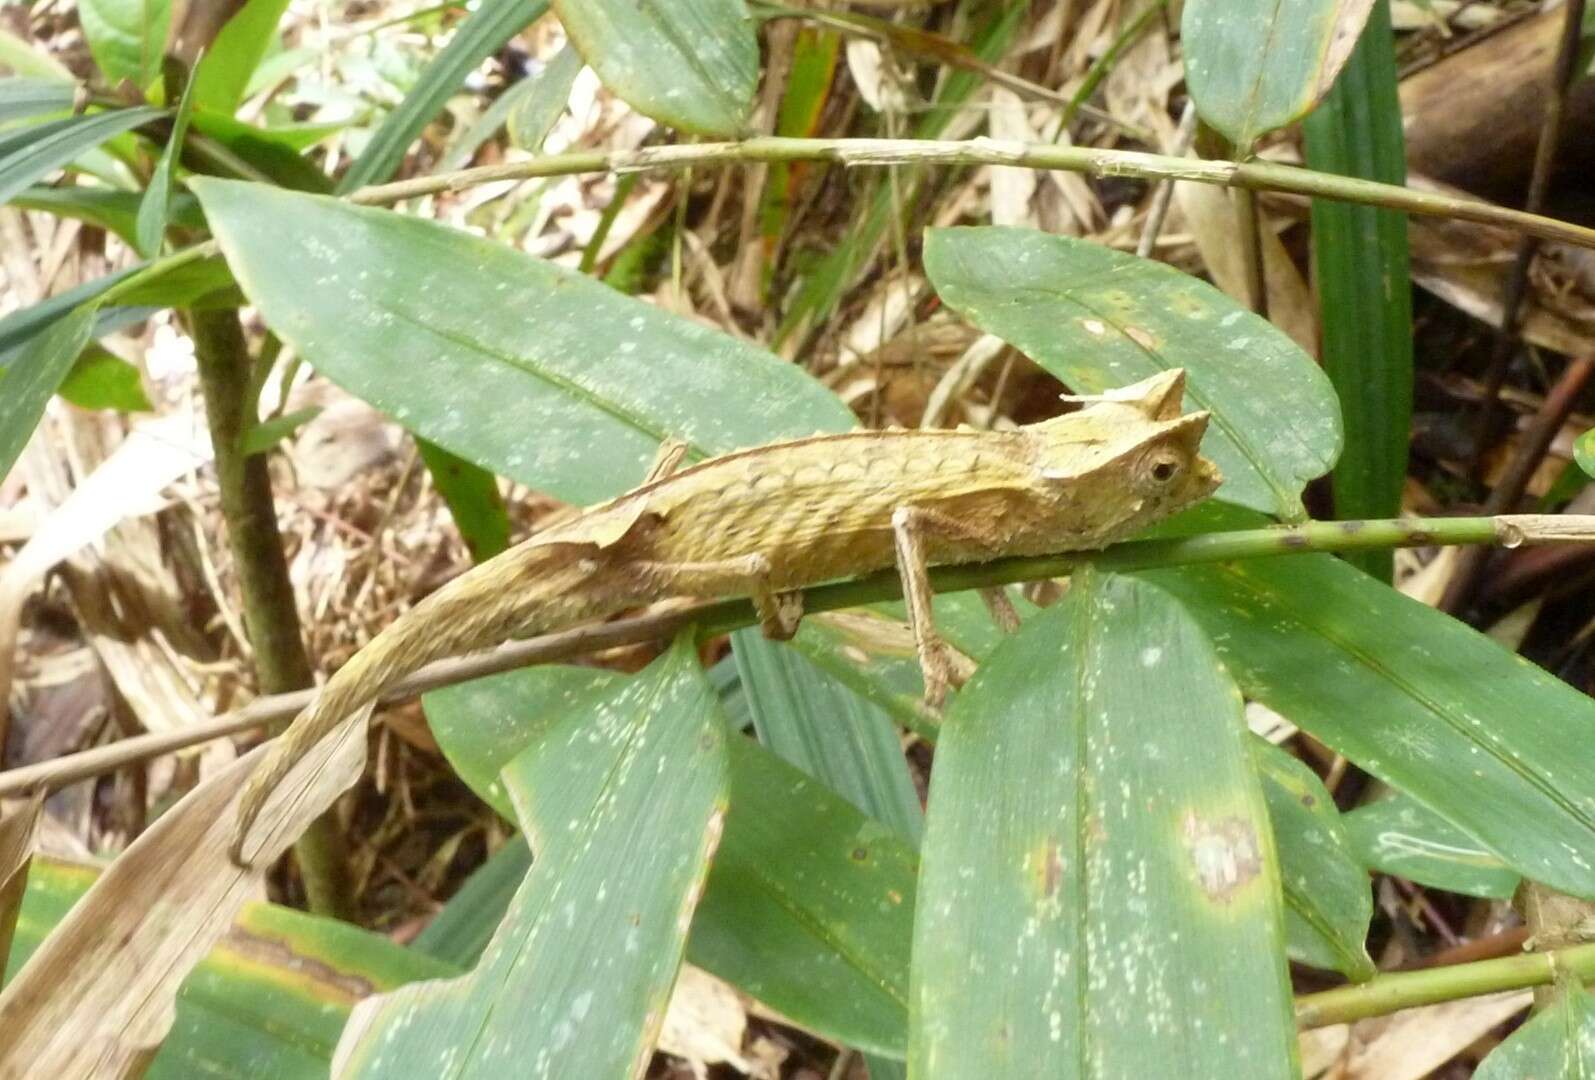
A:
1253, 175
270, 616
1409, 989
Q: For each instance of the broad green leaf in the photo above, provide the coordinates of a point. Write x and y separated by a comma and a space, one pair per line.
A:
1557, 1043
102, 380
533, 113
1099, 895
1254, 70
155, 208
270, 1000
32, 153
1428, 705
1399, 835
26, 385
473, 498
21, 98
1584, 452
509, 361
809, 719
483, 33
264, 154
809, 905
114, 211
127, 37
1098, 318
692, 64
528, 108
225, 69
1328, 898
460, 932
623, 806
266, 434
1364, 290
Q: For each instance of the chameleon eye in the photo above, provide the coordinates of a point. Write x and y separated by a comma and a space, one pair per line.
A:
1163, 471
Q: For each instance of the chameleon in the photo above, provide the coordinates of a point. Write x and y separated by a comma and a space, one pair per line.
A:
768, 521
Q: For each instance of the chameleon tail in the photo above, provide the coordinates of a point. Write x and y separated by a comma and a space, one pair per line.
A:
527, 590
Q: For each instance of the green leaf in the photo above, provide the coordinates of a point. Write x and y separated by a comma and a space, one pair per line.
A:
1416, 698
509, 361
534, 111
1557, 1043
460, 932
270, 1000
154, 210
1584, 452
529, 108
1097, 318
102, 380
483, 33
473, 499
811, 720
263, 153
27, 384
1100, 896
809, 906
34, 152
19, 327
1364, 291
225, 69
691, 64
21, 98
1399, 835
1252, 71
266, 434
127, 37
1328, 901
623, 806
114, 211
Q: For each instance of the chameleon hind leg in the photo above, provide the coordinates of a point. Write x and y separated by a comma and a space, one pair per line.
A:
780, 611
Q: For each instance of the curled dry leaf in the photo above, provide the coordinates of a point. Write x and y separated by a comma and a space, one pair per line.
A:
96, 998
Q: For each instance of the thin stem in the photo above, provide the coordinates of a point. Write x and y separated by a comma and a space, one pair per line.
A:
1408, 989
1254, 175
270, 616
723, 616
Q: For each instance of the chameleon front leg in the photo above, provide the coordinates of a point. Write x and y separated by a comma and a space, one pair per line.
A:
910, 524
780, 612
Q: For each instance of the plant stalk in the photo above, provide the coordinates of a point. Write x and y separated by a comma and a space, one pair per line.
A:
270, 616
1253, 175
723, 616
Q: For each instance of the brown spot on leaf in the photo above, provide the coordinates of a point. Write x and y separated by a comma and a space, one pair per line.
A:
1050, 868
1224, 853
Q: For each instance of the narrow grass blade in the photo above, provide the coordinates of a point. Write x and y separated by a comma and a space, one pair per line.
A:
26, 385
1364, 282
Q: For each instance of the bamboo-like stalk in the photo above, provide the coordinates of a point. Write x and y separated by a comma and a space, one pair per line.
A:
1386, 994
1253, 175
723, 616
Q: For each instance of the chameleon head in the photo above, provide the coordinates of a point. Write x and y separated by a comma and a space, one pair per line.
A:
1127, 459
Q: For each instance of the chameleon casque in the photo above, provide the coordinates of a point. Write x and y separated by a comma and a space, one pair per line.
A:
771, 520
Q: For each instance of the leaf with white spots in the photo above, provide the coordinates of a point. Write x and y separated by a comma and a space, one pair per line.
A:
623, 805
1328, 898
1098, 318
1255, 68
1558, 1043
692, 64
513, 363
1399, 835
1483, 737
810, 904
1099, 895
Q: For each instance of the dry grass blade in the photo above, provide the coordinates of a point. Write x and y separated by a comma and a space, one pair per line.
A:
18, 832
96, 999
